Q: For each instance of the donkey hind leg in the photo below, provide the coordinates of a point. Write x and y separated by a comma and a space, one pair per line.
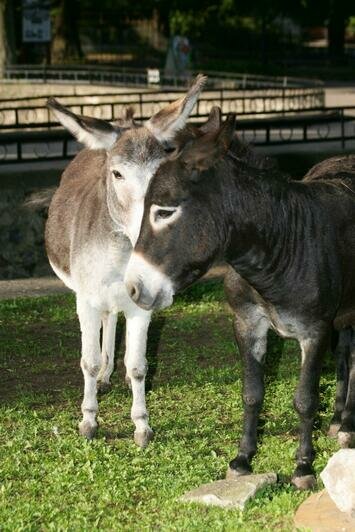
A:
109, 321
306, 402
251, 337
90, 324
346, 434
137, 323
340, 347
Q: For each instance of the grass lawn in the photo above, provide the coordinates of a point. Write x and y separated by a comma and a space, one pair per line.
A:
51, 479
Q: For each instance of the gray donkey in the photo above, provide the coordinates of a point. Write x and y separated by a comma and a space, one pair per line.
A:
93, 223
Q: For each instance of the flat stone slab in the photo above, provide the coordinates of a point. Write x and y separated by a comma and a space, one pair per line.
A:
229, 493
319, 513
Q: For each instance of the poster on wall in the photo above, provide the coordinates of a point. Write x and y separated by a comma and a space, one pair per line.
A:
36, 21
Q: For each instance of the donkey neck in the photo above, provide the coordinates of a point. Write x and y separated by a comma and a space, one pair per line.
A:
273, 226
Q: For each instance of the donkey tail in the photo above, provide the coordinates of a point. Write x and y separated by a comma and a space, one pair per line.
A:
40, 199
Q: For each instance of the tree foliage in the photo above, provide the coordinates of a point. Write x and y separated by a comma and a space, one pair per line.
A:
229, 24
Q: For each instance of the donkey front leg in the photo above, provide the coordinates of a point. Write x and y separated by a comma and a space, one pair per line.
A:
109, 321
137, 323
306, 402
252, 342
90, 324
346, 434
340, 348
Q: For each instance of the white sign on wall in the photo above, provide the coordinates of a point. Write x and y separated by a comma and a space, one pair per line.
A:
36, 21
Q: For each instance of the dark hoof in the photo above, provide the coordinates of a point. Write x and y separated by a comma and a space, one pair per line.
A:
306, 482
87, 430
233, 474
143, 438
333, 430
346, 439
103, 387
238, 467
128, 381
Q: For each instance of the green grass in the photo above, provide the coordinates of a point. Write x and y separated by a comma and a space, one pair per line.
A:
51, 479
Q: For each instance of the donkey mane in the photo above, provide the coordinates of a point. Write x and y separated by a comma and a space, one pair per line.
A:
247, 154
126, 121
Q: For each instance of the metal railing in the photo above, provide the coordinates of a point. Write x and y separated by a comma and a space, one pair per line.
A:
272, 101
138, 77
337, 125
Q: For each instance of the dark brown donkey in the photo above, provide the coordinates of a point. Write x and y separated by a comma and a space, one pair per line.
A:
291, 246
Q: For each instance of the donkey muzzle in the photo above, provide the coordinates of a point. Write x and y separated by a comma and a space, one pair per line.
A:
146, 285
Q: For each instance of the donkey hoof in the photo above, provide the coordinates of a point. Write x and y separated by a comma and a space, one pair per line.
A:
87, 430
238, 467
103, 387
234, 474
128, 381
306, 482
333, 430
346, 439
142, 438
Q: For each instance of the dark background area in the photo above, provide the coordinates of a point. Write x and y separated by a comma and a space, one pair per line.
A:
302, 37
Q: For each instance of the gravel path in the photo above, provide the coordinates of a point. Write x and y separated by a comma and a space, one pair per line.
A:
47, 286
33, 287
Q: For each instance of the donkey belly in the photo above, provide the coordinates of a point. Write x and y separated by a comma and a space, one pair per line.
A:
67, 280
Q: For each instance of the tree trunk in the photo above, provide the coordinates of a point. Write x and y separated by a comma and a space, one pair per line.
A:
3, 40
336, 30
264, 41
65, 44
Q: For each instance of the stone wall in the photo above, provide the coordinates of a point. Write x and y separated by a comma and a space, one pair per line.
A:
22, 252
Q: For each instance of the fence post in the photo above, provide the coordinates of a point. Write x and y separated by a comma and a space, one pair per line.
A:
342, 126
141, 105
19, 151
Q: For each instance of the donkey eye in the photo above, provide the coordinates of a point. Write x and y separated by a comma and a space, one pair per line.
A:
116, 174
161, 217
162, 214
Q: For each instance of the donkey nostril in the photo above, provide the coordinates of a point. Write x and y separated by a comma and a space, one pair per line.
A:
134, 291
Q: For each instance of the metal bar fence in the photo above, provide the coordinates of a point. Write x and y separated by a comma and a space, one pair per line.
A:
139, 77
337, 125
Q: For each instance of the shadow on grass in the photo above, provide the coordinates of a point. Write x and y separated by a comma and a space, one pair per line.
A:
154, 336
45, 356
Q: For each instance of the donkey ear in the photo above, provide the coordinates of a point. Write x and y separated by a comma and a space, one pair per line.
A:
204, 152
92, 132
169, 120
226, 133
214, 120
